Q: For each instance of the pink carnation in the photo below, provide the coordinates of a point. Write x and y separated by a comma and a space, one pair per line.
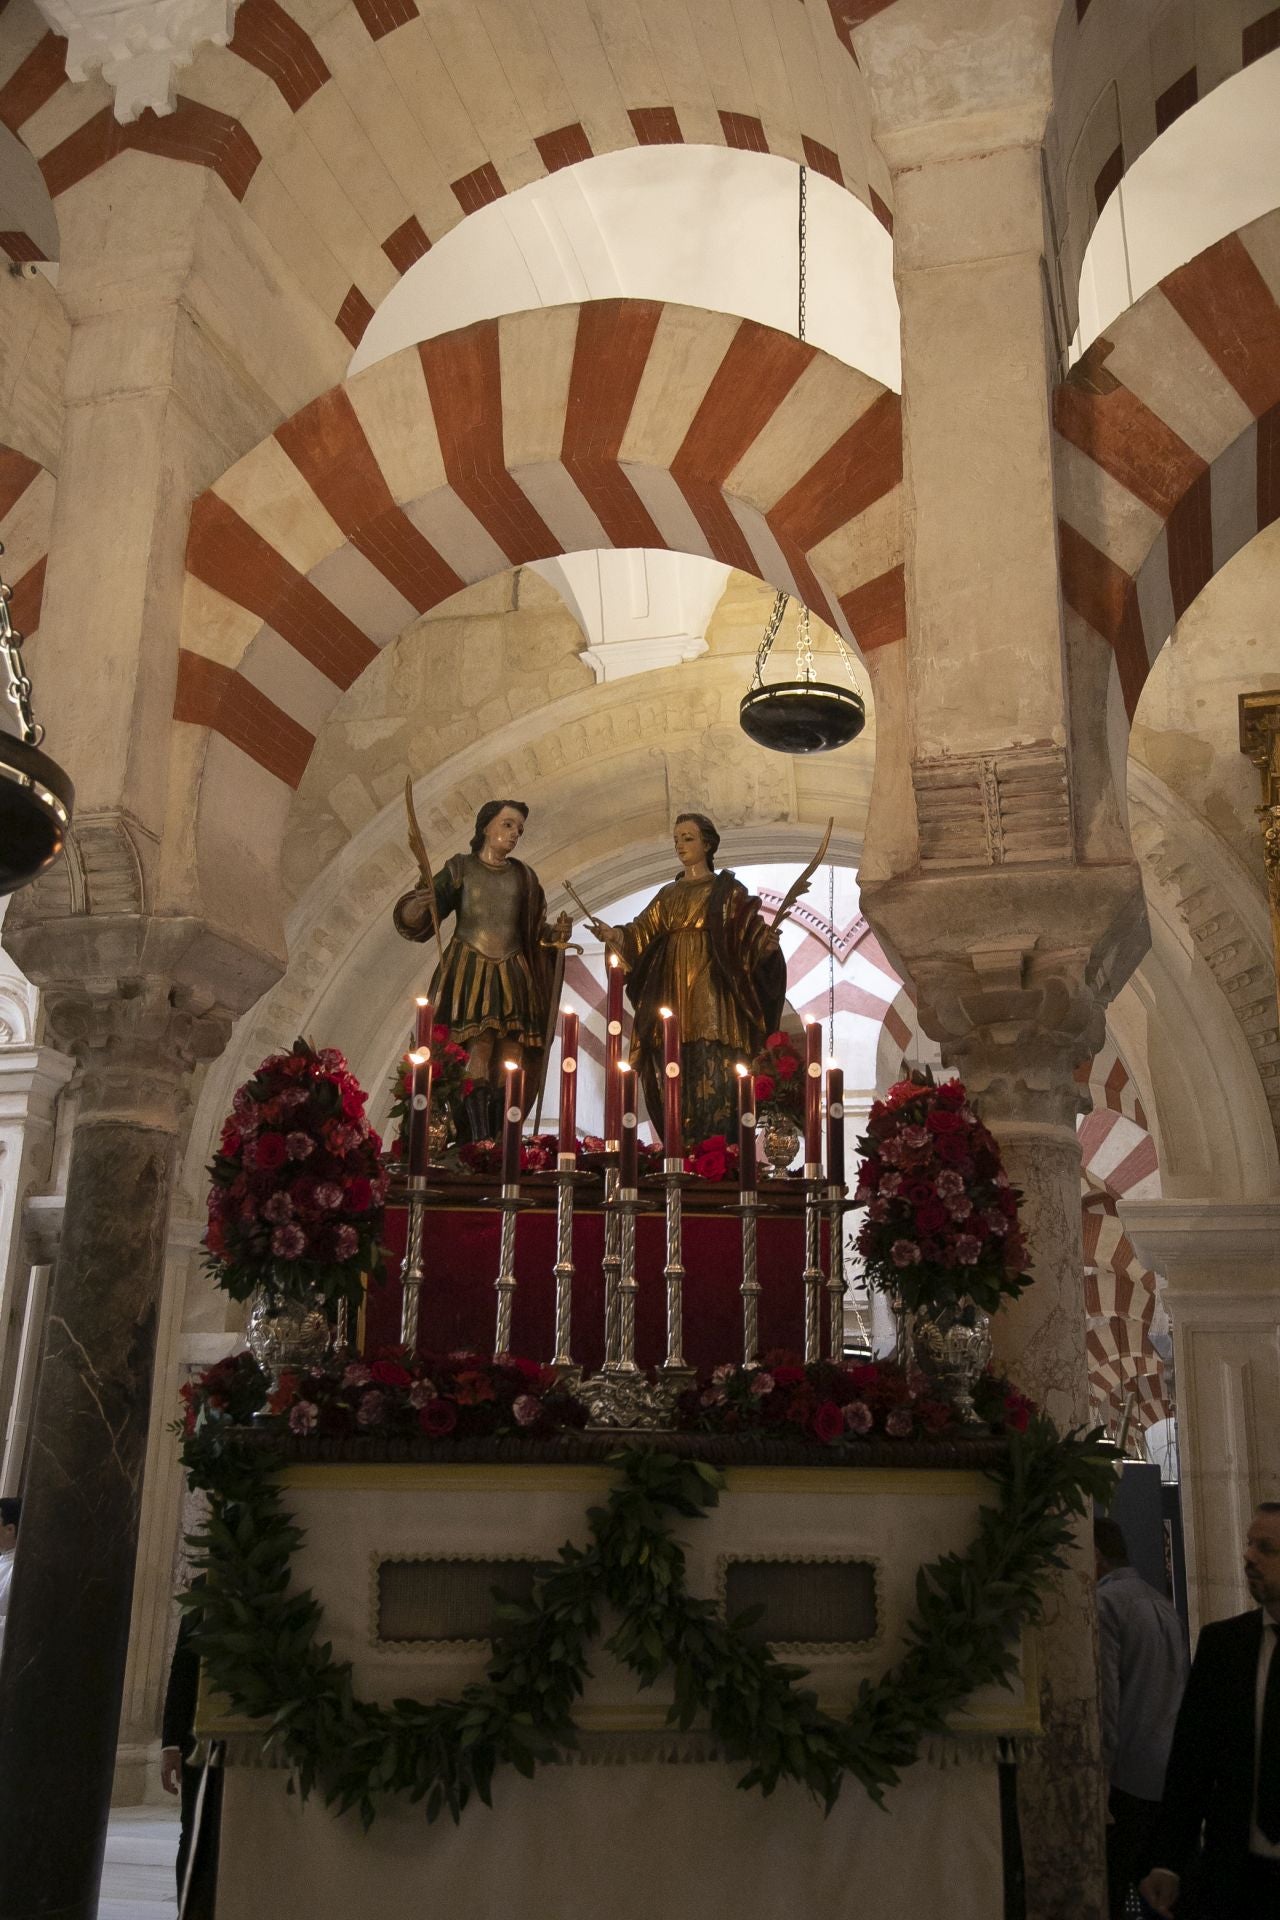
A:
332, 1060
298, 1145
904, 1253
858, 1417
967, 1249
357, 1375
420, 1392
890, 1184
277, 1208
917, 1138
526, 1410
899, 1423
761, 1384
949, 1183
304, 1416
959, 1207
370, 1411
346, 1243
288, 1242
328, 1194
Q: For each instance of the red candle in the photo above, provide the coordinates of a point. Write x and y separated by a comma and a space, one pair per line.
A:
673, 1124
568, 1083
512, 1121
746, 1131
812, 1099
835, 1126
418, 1150
612, 1055
629, 1129
422, 1022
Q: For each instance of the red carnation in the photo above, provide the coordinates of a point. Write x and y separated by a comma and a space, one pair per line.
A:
389, 1373
437, 1418
439, 1034
952, 1094
358, 1194
944, 1120
269, 1152
775, 1041
788, 1066
828, 1422
353, 1103
765, 1088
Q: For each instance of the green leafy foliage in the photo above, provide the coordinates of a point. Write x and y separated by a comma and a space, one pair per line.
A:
261, 1640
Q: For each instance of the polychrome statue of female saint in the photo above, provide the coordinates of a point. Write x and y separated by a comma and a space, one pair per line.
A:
494, 983
702, 948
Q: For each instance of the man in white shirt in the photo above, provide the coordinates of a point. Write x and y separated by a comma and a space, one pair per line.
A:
1224, 1770
10, 1514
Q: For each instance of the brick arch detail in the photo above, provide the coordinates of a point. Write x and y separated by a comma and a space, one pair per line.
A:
615, 423
1122, 75
26, 516
1168, 446
357, 141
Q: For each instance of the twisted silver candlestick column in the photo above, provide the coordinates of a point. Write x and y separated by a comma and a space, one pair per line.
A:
835, 1273
505, 1284
611, 1264
627, 1201
565, 1167
412, 1273
342, 1328
674, 1270
750, 1285
813, 1274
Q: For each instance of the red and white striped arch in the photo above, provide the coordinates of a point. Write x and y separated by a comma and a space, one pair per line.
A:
357, 132
26, 514
1168, 446
612, 424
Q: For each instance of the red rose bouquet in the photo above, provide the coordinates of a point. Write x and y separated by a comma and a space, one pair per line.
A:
942, 1219
450, 1083
296, 1205
778, 1081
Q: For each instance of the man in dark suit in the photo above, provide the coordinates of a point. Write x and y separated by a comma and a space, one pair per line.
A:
1224, 1770
198, 1782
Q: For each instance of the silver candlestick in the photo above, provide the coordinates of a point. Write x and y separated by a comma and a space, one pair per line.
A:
628, 1199
566, 1168
673, 1171
835, 1273
612, 1263
814, 1278
505, 1284
750, 1284
621, 1397
412, 1273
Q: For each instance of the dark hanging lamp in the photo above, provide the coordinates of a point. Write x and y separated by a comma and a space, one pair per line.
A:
36, 797
804, 714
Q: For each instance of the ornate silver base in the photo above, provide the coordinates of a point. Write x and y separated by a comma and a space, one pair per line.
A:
630, 1401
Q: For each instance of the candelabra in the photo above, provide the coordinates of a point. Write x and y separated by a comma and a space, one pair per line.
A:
566, 1173
412, 1272
505, 1284
835, 1272
612, 1262
814, 1278
750, 1288
673, 1273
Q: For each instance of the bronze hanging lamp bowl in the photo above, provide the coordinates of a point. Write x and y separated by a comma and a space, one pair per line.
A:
802, 716
36, 797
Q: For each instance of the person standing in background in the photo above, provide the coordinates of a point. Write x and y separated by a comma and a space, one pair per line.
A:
1143, 1662
1224, 1770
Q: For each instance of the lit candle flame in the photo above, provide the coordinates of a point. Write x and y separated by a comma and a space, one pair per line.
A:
624, 1066
419, 1059
421, 1000
665, 1012
511, 1065
613, 960
741, 1071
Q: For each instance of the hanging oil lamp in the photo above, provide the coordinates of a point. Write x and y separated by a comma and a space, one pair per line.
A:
36, 797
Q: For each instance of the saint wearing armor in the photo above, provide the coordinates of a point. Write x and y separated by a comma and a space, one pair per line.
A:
702, 948
493, 987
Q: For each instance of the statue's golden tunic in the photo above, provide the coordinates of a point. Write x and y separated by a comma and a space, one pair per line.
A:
701, 948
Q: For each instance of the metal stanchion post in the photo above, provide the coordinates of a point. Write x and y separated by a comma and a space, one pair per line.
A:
612, 1262
412, 1272
505, 1284
566, 1167
673, 1171
750, 1284
835, 1273
814, 1278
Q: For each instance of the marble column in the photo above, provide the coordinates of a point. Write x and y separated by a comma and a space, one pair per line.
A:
67, 1634
31, 1081
1221, 1262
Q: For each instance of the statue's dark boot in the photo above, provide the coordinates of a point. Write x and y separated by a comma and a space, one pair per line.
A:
475, 1110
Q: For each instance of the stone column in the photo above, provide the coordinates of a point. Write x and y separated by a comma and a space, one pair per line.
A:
67, 1634
1221, 1262
31, 1080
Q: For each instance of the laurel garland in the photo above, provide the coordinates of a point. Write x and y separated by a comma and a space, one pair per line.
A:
262, 1646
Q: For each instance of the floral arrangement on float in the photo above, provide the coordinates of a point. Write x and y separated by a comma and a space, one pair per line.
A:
941, 1233
837, 1405
778, 1084
450, 1085
296, 1205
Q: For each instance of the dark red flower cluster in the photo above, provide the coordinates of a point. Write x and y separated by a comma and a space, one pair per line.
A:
942, 1218
458, 1395
450, 1083
298, 1187
777, 1079
836, 1405
713, 1159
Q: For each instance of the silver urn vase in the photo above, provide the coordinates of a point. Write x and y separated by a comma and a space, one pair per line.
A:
286, 1336
780, 1138
954, 1344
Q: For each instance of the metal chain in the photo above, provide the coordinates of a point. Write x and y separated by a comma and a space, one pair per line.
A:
803, 251
831, 959
19, 688
768, 637
804, 648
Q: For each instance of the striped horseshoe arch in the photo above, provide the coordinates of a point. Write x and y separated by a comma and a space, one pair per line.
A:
26, 511
612, 424
1168, 447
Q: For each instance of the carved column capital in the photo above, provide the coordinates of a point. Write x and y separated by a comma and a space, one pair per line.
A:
135, 1043
138, 45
